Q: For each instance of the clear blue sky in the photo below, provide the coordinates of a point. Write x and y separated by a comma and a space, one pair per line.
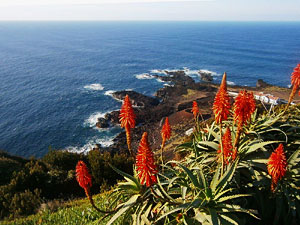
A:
207, 10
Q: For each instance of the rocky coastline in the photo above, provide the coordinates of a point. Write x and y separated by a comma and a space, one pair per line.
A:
174, 101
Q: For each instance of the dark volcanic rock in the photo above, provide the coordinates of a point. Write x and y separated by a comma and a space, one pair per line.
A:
179, 77
206, 76
138, 100
262, 84
170, 93
202, 103
176, 77
102, 123
113, 117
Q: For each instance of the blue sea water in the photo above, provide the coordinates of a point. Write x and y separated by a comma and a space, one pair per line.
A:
55, 76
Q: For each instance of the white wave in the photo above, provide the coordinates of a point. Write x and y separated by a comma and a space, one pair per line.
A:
109, 92
230, 83
191, 73
144, 76
188, 71
208, 71
93, 119
157, 71
95, 87
169, 85
104, 142
160, 80
289, 86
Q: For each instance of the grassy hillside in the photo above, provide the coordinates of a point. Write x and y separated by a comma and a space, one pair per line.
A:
68, 213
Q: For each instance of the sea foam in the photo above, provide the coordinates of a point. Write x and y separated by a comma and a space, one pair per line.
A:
230, 83
144, 76
208, 71
93, 119
91, 143
94, 87
109, 92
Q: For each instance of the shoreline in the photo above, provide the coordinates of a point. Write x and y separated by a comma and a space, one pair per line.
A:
174, 101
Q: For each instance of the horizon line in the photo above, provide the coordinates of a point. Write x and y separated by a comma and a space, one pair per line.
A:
88, 20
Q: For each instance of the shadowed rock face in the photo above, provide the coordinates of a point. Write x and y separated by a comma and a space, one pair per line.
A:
102, 123
205, 76
262, 84
137, 99
176, 77
151, 110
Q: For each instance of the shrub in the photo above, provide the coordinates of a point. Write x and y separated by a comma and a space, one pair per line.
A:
101, 169
24, 203
8, 165
63, 160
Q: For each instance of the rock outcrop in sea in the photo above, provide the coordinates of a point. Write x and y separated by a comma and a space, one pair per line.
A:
174, 101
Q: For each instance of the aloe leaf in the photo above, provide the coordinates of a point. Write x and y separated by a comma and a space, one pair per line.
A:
163, 190
145, 220
140, 211
191, 176
144, 217
214, 216
228, 219
211, 144
125, 175
128, 187
222, 193
187, 145
215, 179
178, 208
226, 177
226, 198
183, 192
293, 158
237, 208
124, 208
203, 179
275, 129
213, 133
260, 145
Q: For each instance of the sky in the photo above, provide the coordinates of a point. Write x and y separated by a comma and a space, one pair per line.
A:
153, 10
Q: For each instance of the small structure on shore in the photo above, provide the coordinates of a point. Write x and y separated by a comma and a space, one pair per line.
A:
268, 98
265, 98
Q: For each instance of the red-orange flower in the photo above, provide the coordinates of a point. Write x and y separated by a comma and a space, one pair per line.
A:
277, 165
221, 105
244, 106
234, 154
166, 131
145, 167
295, 78
127, 118
227, 146
195, 109
82, 175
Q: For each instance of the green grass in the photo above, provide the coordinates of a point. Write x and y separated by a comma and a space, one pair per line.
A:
75, 212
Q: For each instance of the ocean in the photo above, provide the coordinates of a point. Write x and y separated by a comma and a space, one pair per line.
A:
56, 77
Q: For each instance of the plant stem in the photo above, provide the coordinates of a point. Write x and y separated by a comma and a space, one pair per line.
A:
294, 90
222, 151
128, 138
89, 196
161, 151
236, 141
